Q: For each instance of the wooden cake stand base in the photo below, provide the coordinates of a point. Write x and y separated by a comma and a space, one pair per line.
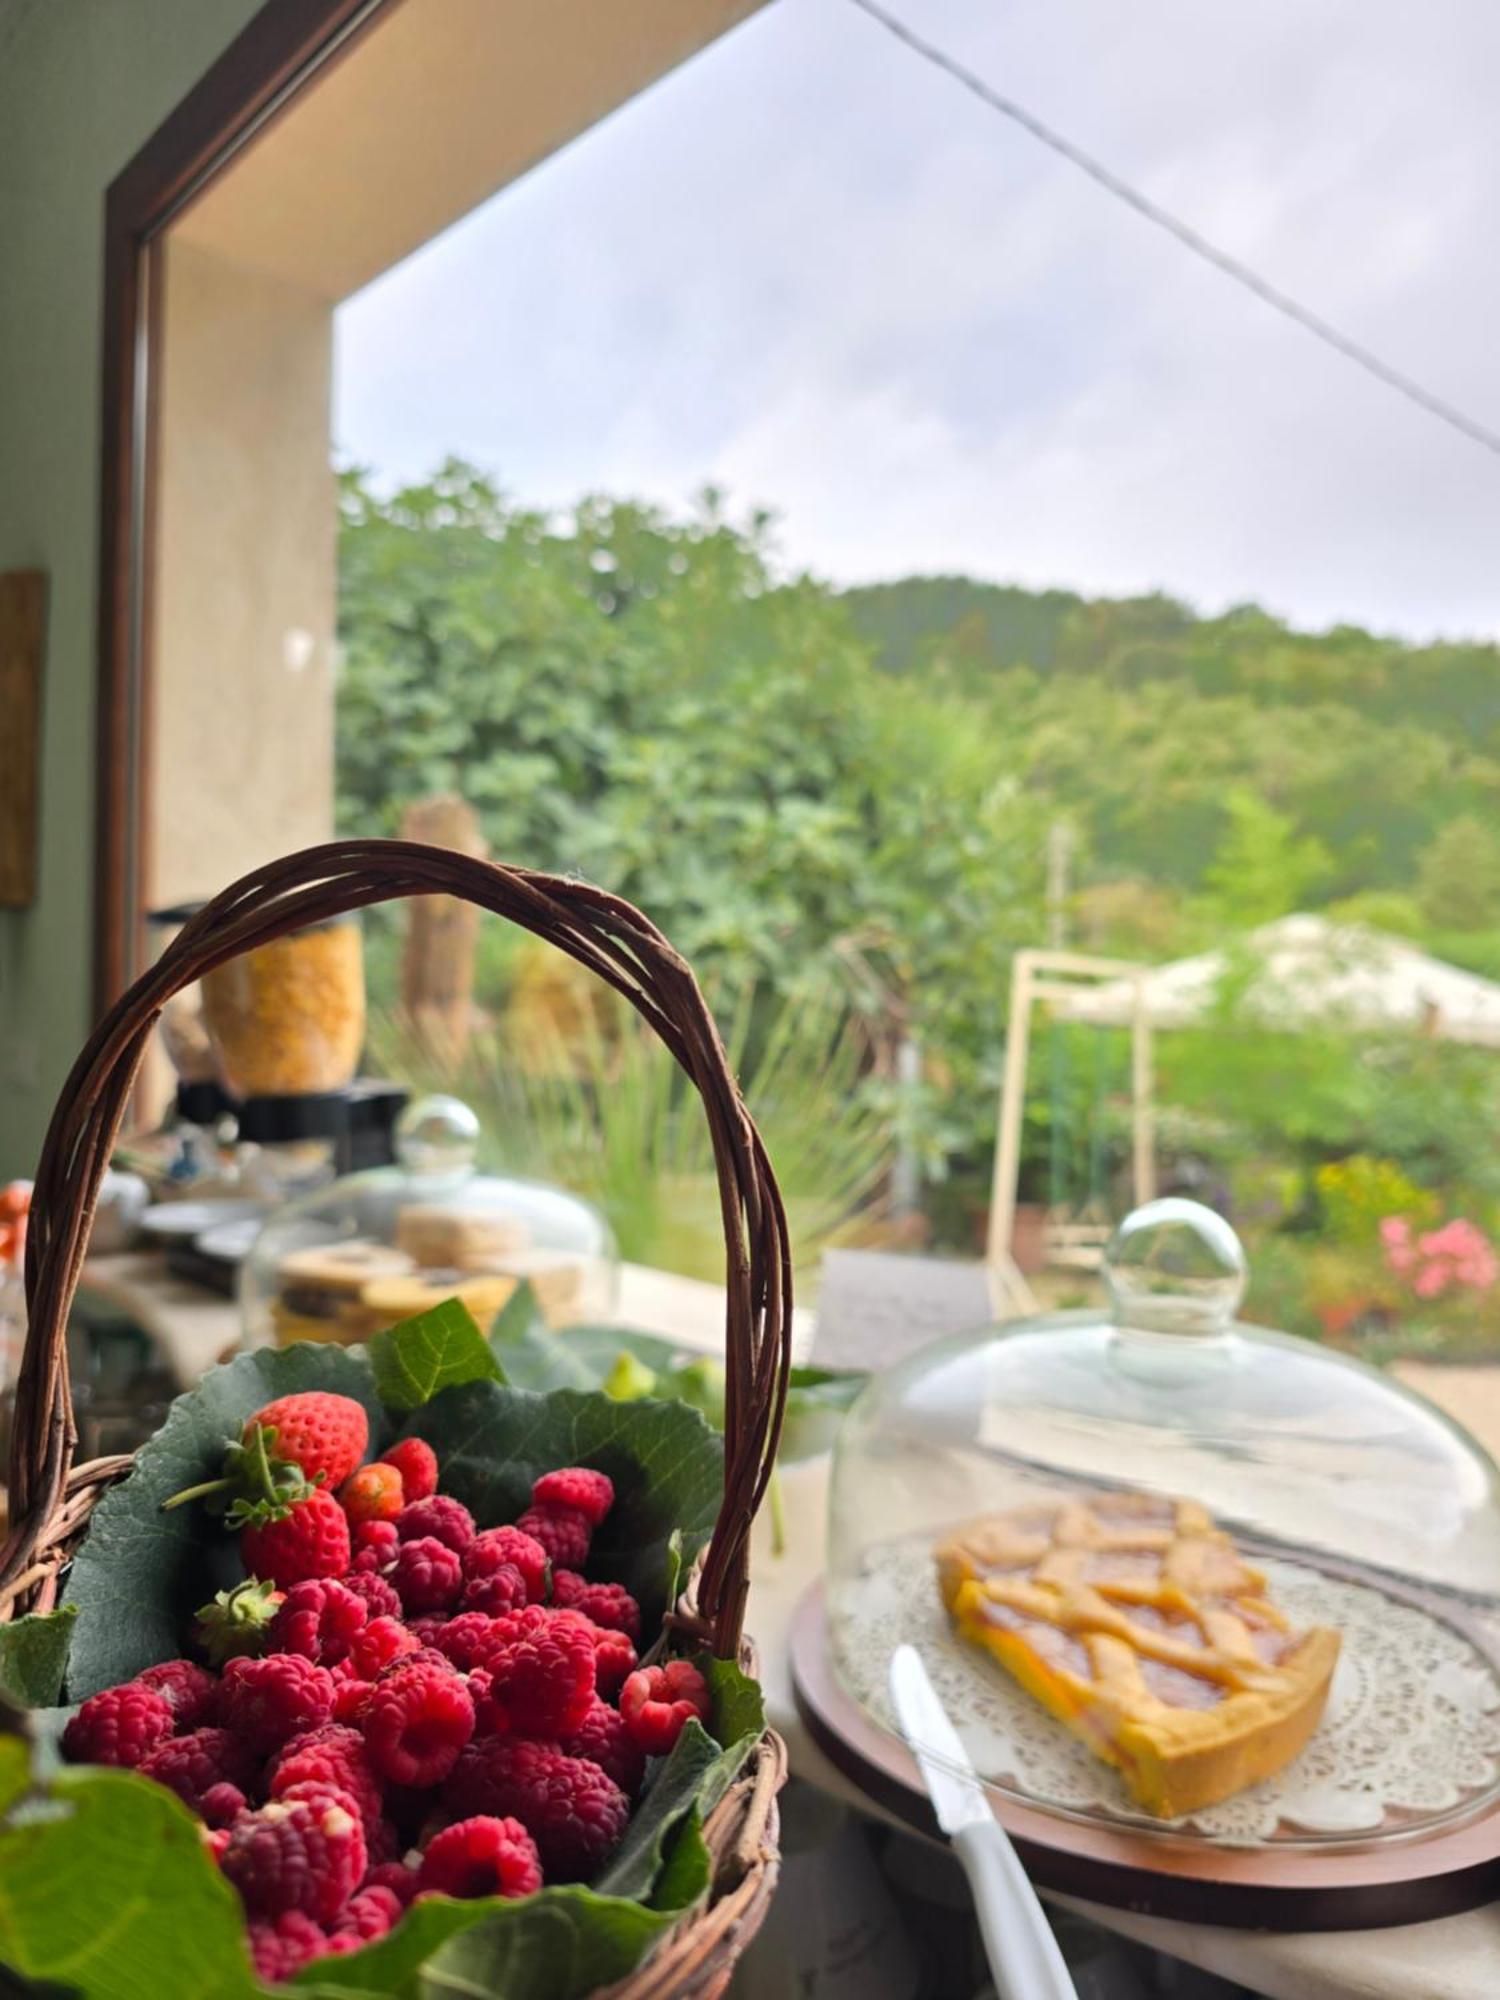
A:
1354, 1885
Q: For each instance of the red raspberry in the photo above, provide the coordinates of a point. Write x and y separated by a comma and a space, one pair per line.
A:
417, 1720
216, 1839
349, 1700
656, 1702
416, 1461
426, 1575
368, 1915
320, 1619
604, 1740
562, 1531
395, 1876
502, 1590
331, 1756
325, 1434
481, 1857
375, 1544
541, 1667
382, 1640
269, 1701
311, 1538
380, 1600
303, 1854
573, 1812
280, 1946
190, 1691
372, 1493
194, 1765
614, 1661
466, 1639
606, 1604
496, 1548
120, 1725
219, 1808
592, 1494
425, 1629
447, 1520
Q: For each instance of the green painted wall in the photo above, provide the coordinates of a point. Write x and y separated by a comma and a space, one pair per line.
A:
82, 84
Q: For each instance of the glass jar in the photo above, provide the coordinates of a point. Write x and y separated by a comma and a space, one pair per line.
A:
288, 1019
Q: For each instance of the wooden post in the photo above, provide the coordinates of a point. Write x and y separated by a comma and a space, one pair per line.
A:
437, 959
1012, 1111
1142, 1089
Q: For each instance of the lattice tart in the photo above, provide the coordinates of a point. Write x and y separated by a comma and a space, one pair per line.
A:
1135, 1621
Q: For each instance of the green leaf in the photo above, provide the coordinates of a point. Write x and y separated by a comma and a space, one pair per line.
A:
433, 1351
141, 1573
739, 1710
33, 1656
494, 1442
110, 1893
518, 1315
561, 1944
673, 1793
687, 1871
533, 1356
815, 1404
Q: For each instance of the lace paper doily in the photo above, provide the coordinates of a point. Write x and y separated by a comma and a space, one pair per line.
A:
1411, 1732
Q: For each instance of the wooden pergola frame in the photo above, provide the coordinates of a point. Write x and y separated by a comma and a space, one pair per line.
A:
1056, 976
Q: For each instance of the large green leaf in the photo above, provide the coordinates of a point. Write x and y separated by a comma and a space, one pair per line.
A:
34, 1655
107, 1890
494, 1441
561, 1944
670, 1797
141, 1573
432, 1351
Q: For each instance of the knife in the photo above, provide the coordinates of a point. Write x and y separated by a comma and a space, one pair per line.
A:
1018, 1941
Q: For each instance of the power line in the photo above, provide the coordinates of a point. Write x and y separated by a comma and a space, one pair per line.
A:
1242, 274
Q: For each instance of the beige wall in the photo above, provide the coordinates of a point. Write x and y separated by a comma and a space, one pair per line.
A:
82, 84
242, 754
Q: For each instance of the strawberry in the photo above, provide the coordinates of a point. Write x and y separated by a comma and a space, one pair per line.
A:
372, 1493
326, 1435
290, 1542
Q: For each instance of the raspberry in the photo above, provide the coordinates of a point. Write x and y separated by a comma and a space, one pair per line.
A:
614, 1660
481, 1857
604, 1740
657, 1701
426, 1575
562, 1531
120, 1725
380, 1600
349, 1698
304, 1854
306, 1539
190, 1691
369, 1915
280, 1946
426, 1628
372, 1493
331, 1756
325, 1434
395, 1876
195, 1765
382, 1640
573, 1812
494, 1548
503, 1590
417, 1720
377, 1540
441, 1516
466, 1639
592, 1494
416, 1461
541, 1667
219, 1808
319, 1619
269, 1701
609, 1605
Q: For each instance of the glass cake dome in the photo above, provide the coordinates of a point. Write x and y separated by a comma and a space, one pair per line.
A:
1361, 1507
374, 1248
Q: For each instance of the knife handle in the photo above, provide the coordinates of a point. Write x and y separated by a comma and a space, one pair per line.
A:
1018, 1940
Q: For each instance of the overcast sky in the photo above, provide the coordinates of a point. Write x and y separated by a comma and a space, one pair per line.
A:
814, 271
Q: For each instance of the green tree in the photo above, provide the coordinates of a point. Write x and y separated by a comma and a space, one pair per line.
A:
1458, 876
1262, 867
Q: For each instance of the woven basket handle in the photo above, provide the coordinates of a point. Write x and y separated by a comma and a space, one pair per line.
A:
602, 932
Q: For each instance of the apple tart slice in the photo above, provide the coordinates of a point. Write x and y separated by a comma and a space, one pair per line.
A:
1136, 1622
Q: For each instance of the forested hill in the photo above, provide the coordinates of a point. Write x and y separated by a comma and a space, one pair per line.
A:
975, 629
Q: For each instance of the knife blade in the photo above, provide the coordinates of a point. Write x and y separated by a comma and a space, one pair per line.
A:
1018, 1940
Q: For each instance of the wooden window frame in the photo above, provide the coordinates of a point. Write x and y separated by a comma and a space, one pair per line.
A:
281, 50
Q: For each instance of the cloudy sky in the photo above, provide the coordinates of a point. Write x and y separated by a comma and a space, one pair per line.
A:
814, 271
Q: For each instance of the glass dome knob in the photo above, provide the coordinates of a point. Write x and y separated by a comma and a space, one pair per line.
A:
437, 1135
1174, 1267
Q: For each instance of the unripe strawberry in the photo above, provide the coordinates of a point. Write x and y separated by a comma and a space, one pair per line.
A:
372, 1493
416, 1461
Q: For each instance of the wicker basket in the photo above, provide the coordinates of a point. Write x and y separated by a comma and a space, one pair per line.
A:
51, 1498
